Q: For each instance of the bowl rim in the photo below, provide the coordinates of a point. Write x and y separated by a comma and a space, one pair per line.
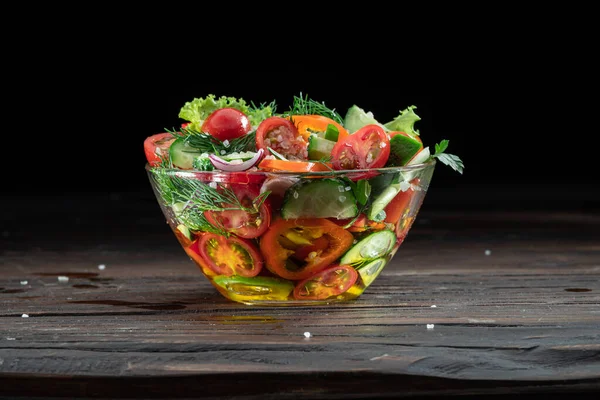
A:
413, 167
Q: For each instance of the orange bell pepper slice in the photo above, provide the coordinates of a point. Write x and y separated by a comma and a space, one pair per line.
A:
308, 124
285, 238
293, 166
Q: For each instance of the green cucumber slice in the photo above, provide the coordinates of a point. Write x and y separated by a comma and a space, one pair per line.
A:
182, 154
256, 288
319, 148
373, 246
371, 270
319, 198
356, 118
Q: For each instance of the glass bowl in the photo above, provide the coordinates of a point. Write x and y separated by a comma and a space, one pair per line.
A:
288, 238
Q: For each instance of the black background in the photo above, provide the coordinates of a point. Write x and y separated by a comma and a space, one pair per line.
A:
512, 102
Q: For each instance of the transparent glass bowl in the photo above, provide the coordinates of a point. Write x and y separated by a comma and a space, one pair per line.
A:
287, 238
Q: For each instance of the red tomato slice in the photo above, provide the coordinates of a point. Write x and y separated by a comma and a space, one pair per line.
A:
282, 136
157, 146
330, 282
226, 124
239, 222
230, 256
367, 148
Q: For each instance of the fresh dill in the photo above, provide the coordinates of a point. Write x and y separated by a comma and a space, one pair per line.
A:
209, 144
190, 198
306, 106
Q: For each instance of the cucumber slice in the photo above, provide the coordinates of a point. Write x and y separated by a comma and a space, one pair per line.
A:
182, 154
375, 245
371, 270
397, 183
256, 288
319, 148
356, 118
319, 198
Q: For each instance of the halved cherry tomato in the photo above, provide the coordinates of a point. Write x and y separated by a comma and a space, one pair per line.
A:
226, 124
285, 237
327, 283
157, 146
282, 136
240, 222
230, 256
293, 166
193, 252
309, 124
369, 147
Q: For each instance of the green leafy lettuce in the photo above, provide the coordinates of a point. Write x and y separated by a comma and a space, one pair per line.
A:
405, 122
197, 110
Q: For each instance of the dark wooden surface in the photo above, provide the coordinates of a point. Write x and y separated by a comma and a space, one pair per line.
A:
523, 319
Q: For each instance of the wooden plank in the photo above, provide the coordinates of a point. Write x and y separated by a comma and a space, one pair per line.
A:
523, 319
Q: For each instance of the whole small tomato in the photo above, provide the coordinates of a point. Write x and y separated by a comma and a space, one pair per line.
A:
226, 124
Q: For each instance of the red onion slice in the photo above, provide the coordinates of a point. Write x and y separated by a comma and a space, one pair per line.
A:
228, 166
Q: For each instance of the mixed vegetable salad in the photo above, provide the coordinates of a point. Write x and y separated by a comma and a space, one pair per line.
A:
304, 204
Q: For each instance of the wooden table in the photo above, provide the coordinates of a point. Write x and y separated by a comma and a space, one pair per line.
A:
475, 302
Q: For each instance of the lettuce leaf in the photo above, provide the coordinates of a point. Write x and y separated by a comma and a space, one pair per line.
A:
197, 110
405, 122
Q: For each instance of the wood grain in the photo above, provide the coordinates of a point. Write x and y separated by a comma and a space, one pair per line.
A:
523, 319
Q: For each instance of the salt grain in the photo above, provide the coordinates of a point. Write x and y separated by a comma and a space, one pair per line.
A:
430, 326
488, 252
342, 198
11, 338
213, 185
307, 334
101, 267
25, 316
433, 306
63, 279
24, 282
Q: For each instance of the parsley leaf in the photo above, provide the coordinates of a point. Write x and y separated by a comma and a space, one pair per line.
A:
451, 160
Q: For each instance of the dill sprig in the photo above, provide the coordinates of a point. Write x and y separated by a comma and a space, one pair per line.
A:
190, 198
209, 144
305, 105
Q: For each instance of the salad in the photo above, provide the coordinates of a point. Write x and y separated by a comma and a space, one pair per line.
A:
294, 206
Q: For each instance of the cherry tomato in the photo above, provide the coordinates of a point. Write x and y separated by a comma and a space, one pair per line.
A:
157, 146
367, 148
282, 136
330, 282
239, 222
226, 124
230, 256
